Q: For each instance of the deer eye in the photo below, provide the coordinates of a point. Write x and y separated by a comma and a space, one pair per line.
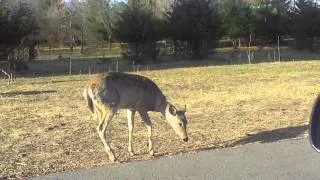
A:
172, 110
180, 124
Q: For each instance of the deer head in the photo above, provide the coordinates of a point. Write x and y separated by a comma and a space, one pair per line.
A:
177, 121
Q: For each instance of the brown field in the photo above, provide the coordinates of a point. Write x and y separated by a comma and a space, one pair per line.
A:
46, 127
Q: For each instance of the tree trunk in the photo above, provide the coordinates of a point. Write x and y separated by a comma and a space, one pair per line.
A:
311, 44
279, 56
154, 50
136, 53
175, 47
109, 43
82, 41
234, 44
207, 44
249, 50
196, 48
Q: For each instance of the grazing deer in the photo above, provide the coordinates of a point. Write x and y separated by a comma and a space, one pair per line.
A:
7, 68
109, 92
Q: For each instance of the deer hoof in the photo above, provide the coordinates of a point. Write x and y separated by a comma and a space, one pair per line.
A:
132, 153
151, 152
112, 158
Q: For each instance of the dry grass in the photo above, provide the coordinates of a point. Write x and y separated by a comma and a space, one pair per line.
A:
45, 125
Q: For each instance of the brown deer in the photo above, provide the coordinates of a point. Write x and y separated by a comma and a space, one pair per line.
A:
109, 92
8, 69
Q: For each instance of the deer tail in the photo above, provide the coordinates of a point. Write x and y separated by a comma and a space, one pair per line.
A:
87, 93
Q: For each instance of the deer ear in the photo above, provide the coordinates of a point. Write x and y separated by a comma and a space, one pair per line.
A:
184, 109
172, 110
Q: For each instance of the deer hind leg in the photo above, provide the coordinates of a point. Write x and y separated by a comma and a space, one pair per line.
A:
106, 116
7, 75
9, 79
130, 117
145, 117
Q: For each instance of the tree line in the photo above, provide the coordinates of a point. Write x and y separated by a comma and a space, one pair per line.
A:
189, 27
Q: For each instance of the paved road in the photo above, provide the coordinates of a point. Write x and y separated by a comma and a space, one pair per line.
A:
290, 159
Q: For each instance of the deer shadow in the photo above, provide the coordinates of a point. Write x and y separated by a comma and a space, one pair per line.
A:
25, 93
272, 135
57, 81
262, 137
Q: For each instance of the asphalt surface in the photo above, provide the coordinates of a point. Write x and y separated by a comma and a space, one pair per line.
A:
289, 159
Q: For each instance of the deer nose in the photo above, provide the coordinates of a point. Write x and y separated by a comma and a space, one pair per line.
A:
185, 139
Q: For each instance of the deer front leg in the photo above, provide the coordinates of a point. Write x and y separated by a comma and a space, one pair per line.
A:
97, 115
130, 116
102, 128
147, 122
12, 77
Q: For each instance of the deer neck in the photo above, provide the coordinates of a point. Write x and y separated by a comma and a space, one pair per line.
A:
163, 108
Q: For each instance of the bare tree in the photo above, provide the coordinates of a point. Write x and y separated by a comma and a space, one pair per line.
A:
249, 53
107, 11
17, 21
78, 22
52, 22
106, 16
